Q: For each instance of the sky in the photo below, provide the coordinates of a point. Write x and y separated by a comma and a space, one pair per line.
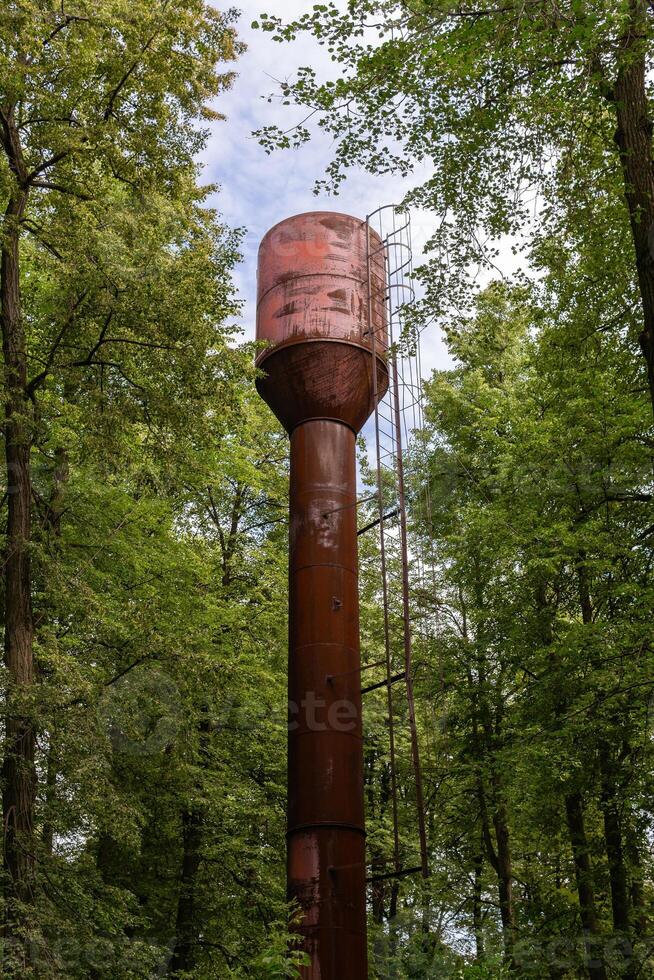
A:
258, 190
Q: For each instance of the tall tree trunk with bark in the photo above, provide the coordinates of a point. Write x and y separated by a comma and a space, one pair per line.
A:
499, 857
618, 877
189, 910
19, 778
47, 833
487, 731
574, 809
634, 141
574, 813
187, 927
52, 524
608, 801
477, 914
505, 879
378, 863
637, 883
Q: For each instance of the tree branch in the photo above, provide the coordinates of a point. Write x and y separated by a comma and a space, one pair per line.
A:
96, 347
12, 145
140, 343
113, 95
49, 186
33, 229
113, 364
40, 378
42, 167
70, 19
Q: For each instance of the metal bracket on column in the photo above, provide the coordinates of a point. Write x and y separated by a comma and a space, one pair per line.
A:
377, 521
402, 873
393, 680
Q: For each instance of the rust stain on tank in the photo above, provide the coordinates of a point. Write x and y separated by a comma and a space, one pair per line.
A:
286, 310
316, 377
341, 225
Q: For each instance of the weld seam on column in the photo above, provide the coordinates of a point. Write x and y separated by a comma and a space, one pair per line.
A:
324, 418
328, 643
324, 564
332, 732
326, 825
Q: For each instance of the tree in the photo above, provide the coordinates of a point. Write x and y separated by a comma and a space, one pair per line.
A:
545, 501
98, 108
522, 115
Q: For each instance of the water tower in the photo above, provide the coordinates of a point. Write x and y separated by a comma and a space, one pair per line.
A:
322, 310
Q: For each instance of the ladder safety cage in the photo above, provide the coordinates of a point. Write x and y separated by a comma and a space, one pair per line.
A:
397, 416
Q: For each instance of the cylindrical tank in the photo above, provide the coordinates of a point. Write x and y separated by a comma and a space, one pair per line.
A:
314, 308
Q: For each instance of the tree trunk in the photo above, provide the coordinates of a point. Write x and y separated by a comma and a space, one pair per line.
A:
47, 834
477, 916
189, 922
608, 801
615, 855
500, 860
637, 883
574, 810
505, 880
392, 908
487, 727
187, 926
378, 861
19, 776
584, 876
53, 517
634, 140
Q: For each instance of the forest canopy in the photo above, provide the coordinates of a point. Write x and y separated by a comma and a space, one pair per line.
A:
144, 492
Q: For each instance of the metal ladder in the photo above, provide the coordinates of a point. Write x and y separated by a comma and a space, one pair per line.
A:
397, 416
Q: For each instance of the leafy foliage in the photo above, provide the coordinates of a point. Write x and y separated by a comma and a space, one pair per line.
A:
156, 488
148, 700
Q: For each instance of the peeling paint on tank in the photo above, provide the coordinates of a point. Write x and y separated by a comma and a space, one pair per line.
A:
287, 310
342, 226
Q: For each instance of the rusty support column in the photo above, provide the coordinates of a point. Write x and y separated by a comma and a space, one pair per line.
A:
313, 309
326, 836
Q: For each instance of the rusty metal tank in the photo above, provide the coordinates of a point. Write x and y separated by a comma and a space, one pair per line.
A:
314, 309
